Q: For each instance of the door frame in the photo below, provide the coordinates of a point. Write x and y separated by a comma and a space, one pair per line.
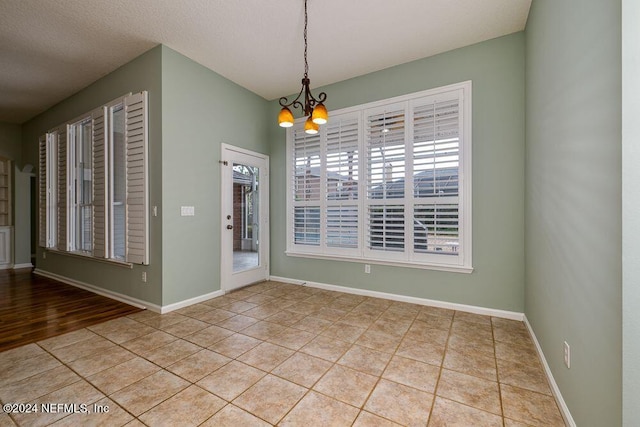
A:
228, 279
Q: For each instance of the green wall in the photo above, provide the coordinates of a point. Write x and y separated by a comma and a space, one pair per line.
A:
573, 200
11, 148
192, 110
496, 68
630, 209
11, 142
143, 73
201, 110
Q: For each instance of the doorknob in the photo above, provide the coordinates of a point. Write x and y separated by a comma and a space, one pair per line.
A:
229, 227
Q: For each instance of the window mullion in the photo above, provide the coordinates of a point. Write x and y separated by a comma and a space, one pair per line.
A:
363, 170
408, 182
72, 187
108, 182
323, 189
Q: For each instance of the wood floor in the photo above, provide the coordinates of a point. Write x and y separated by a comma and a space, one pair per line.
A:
33, 308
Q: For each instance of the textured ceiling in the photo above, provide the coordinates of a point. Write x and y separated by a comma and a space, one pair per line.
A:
50, 49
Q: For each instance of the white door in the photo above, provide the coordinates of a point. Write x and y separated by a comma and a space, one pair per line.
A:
245, 217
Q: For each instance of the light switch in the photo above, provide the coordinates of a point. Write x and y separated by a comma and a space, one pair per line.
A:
187, 210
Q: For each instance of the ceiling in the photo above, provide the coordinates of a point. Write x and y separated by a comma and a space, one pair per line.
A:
50, 49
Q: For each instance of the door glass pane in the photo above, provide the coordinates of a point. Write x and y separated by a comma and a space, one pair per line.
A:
245, 217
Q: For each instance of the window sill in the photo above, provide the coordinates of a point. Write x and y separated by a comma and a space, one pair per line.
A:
437, 267
91, 258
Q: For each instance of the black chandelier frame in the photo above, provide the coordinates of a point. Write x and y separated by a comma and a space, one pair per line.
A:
309, 100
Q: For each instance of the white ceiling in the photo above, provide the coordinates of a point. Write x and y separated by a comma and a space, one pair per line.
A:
50, 49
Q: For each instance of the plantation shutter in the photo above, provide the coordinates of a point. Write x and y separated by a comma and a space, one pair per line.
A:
136, 140
306, 170
42, 191
341, 181
436, 161
100, 195
63, 190
386, 182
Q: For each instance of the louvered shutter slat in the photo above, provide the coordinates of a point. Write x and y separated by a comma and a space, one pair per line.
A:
436, 147
306, 225
63, 190
100, 195
136, 140
436, 157
386, 227
306, 187
306, 165
436, 228
342, 226
42, 191
342, 174
342, 160
386, 154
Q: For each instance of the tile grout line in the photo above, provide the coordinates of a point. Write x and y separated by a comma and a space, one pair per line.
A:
384, 369
316, 333
444, 353
82, 378
495, 360
333, 364
379, 377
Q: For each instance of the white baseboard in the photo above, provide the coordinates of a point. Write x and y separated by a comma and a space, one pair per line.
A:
513, 315
20, 266
127, 299
190, 301
100, 291
564, 409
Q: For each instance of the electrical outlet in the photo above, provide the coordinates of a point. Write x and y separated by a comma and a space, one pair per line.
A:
187, 210
144, 276
567, 355
367, 268
44, 255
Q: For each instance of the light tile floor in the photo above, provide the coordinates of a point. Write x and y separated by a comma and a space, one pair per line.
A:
275, 353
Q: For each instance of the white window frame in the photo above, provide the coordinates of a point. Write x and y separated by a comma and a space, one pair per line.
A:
59, 172
462, 261
117, 105
51, 159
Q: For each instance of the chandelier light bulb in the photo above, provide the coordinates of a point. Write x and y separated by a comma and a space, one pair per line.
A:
310, 127
319, 115
285, 118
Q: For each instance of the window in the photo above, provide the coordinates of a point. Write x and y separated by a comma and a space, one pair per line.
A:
103, 212
387, 182
80, 177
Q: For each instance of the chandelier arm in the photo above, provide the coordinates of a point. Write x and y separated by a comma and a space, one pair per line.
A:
321, 98
298, 104
283, 101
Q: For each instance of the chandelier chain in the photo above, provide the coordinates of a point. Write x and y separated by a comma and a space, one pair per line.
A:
306, 65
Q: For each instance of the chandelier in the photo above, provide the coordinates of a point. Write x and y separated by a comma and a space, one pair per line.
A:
313, 108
